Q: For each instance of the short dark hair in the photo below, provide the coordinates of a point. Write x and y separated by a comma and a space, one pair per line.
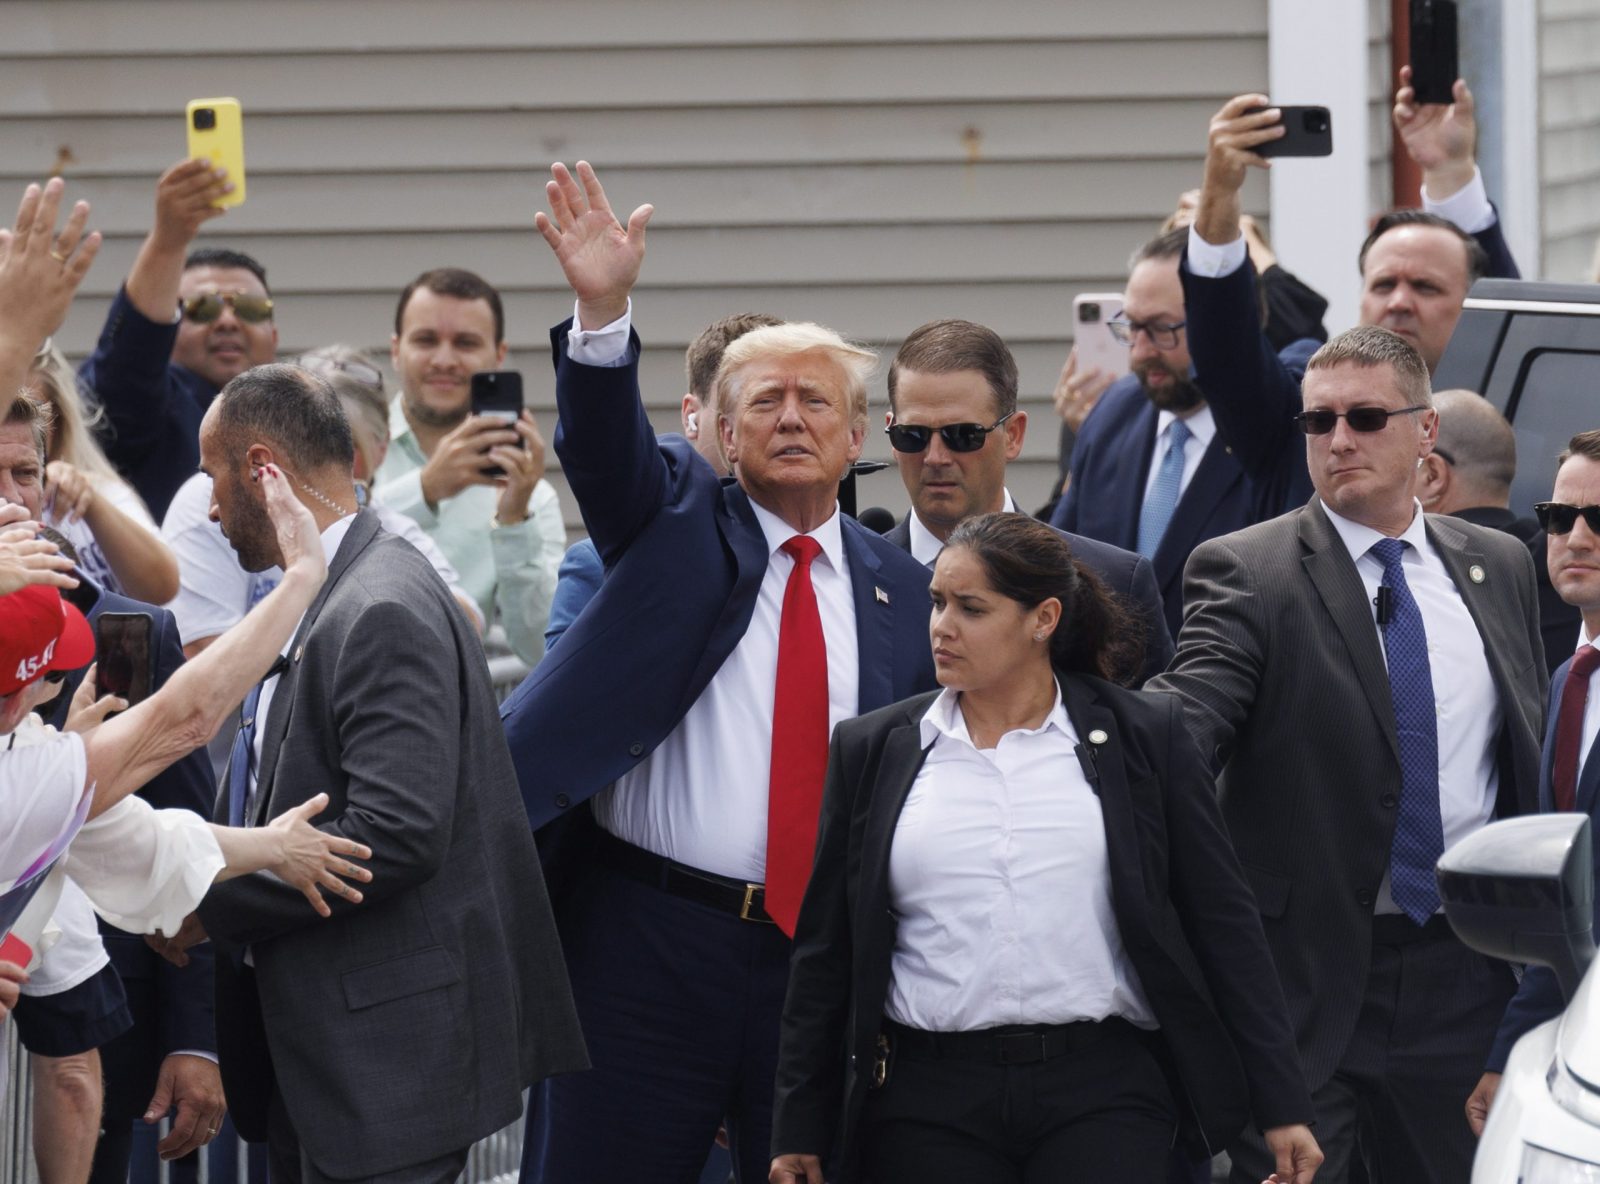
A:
222, 257
1371, 345
1029, 562
1584, 444
459, 284
292, 409
705, 352
947, 346
1477, 257
1169, 244
38, 415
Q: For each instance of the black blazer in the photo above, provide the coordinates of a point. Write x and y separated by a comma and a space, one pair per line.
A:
1184, 912
1126, 573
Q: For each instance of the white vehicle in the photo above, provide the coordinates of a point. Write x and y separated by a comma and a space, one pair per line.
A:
1523, 890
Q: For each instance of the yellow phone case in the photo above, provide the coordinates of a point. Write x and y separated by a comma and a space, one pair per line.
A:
216, 132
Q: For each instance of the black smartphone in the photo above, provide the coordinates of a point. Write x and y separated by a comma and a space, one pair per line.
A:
124, 665
1434, 64
1307, 131
497, 393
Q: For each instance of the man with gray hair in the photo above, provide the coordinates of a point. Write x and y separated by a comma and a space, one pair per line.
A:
1468, 475
1368, 680
680, 728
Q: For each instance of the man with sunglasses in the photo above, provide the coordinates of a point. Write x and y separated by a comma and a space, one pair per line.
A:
954, 424
1367, 679
1568, 779
183, 324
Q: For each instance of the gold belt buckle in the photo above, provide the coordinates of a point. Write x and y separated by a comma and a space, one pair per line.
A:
880, 1062
750, 902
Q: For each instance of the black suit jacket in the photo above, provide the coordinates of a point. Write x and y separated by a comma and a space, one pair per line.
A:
183, 1011
1184, 913
1129, 575
1558, 621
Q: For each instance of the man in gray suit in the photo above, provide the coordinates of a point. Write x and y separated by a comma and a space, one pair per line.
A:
381, 1042
1368, 679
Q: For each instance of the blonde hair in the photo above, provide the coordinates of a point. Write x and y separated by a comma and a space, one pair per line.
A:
799, 337
71, 435
365, 405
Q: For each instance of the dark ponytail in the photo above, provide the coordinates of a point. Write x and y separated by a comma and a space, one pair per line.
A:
1030, 562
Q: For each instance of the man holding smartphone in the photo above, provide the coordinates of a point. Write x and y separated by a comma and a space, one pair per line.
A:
183, 324
475, 483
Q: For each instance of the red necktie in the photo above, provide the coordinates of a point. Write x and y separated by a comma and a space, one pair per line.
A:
799, 740
1569, 727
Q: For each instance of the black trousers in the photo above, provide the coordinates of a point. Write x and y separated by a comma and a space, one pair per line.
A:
287, 1162
1398, 1098
1095, 1115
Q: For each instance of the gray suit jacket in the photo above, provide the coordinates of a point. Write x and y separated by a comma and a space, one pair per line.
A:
1282, 675
407, 1026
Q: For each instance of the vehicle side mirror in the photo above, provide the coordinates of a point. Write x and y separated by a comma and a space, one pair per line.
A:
1523, 890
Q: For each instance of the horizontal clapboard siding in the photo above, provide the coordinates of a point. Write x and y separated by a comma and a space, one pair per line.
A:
1569, 137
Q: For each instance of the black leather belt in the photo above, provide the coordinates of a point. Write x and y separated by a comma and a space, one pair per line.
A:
742, 899
1012, 1045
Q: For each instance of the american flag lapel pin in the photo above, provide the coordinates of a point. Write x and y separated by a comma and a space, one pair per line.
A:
882, 596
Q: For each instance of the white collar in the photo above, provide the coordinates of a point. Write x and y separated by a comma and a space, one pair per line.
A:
944, 718
1358, 539
830, 534
1202, 424
925, 545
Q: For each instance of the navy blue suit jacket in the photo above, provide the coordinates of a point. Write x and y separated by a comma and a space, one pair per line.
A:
684, 558
1539, 997
184, 997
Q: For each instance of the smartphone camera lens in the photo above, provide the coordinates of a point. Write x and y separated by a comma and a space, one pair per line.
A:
1316, 122
1089, 314
205, 118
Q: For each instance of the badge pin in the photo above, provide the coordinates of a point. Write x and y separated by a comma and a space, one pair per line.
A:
882, 596
1098, 737
299, 652
1476, 574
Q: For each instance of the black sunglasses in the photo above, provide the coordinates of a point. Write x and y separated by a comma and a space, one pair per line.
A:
208, 307
1360, 419
1560, 518
957, 437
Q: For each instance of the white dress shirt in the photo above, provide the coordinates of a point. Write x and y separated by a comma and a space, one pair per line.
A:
1000, 882
1465, 698
701, 797
925, 545
1202, 427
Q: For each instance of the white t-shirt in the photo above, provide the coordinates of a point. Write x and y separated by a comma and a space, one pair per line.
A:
214, 592
91, 558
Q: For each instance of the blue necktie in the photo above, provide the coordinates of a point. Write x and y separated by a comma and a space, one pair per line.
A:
1418, 830
1162, 499
242, 760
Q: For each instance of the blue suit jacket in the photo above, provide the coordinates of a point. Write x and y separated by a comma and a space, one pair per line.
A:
577, 581
684, 557
184, 1014
1539, 997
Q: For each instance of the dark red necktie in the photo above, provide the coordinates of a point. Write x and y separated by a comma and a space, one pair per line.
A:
799, 740
1569, 727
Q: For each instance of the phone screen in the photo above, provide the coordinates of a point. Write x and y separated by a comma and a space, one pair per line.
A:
123, 663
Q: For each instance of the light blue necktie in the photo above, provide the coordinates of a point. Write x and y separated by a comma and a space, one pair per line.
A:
241, 761
1418, 829
1162, 499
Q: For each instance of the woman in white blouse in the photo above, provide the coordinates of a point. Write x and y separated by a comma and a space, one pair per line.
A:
1027, 952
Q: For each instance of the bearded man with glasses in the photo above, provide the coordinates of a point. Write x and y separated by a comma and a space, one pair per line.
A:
1368, 681
183, 324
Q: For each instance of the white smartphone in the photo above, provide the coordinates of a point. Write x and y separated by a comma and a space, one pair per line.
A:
1097, 348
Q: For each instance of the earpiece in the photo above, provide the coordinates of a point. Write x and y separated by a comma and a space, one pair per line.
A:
692, 423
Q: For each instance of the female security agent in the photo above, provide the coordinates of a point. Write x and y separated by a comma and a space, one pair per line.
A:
1027, 951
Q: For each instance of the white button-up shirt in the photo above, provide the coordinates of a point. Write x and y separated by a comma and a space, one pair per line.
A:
1000, 881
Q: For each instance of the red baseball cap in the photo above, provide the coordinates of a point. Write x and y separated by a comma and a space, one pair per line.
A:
40, 632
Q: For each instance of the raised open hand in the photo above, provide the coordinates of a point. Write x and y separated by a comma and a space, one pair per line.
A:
41, 269
599, 256
313, 860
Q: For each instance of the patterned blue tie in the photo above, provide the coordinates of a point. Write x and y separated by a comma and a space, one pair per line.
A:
1162, 499
242, 759
1418, 830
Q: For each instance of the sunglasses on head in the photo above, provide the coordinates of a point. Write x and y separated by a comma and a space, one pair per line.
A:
363, 372
1360, 419
1560, 518
208, 307
957, 437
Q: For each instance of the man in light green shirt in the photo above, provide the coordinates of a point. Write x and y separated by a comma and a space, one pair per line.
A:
504, 534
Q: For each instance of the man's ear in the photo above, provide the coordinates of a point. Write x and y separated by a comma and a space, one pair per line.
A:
256, 457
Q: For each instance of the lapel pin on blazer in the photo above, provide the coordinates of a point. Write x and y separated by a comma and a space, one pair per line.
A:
1087, 762
1476, 574
880, 594
299, 651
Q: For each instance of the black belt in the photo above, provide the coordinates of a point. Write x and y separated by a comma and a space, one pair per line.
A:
1012, 1045
1397, 929
742, 899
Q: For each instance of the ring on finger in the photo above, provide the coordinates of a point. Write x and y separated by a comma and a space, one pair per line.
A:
57, 256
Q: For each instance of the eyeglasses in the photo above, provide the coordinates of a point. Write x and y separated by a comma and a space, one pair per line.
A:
205, 308
363, 372
957, 437
1161, 336
1560, 518
1360, 419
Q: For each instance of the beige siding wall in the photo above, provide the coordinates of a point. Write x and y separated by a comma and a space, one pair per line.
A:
1569, 129
1380, 102
868, 166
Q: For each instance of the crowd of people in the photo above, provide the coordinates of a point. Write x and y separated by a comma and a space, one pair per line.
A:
995, 847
